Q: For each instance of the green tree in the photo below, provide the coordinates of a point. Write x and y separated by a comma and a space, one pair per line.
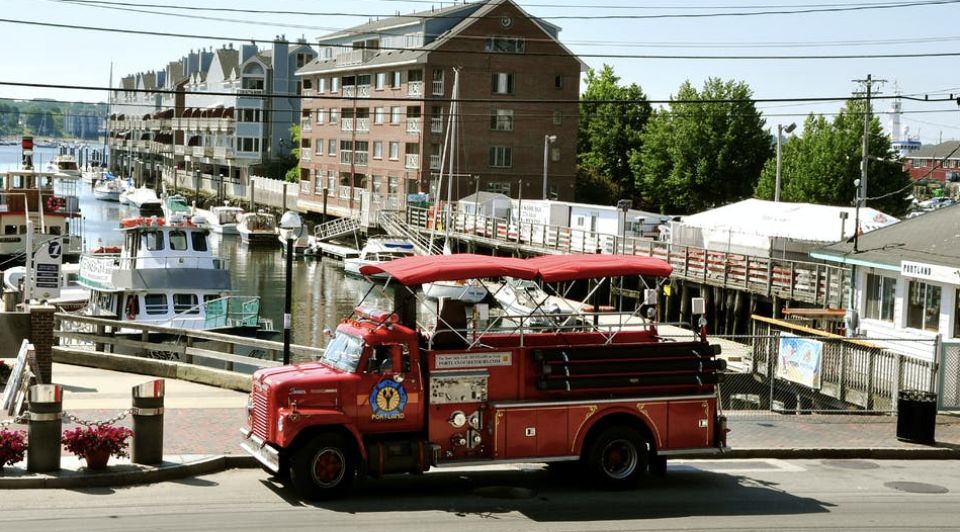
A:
821, 165
293, 174
707, 149
612, 117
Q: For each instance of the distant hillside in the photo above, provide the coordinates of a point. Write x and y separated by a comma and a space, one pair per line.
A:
50, 118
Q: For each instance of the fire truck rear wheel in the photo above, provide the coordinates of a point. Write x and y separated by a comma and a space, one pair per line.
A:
617, 458
324, 468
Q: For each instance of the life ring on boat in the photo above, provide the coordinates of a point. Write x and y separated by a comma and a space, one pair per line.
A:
132, 309
54, 203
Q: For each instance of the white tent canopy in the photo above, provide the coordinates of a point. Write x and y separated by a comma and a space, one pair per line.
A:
756, 226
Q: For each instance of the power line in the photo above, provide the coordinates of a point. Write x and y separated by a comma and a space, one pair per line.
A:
478, 52
426, 15
500, 101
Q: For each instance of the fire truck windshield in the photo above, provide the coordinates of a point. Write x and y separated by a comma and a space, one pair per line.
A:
343, 352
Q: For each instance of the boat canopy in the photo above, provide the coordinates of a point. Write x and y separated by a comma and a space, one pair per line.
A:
550, 268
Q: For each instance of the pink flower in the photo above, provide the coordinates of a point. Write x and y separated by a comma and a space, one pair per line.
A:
82, 440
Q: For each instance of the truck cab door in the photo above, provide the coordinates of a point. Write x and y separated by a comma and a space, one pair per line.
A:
390, 394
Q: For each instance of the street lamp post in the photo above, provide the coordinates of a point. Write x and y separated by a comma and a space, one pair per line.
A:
780, 131
547, 141
291, 227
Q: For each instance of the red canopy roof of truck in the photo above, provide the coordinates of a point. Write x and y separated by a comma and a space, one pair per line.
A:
550, 268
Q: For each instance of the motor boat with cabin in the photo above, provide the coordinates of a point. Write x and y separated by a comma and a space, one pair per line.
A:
108, 188
378, 251
166, 275
175, 206
469, 291
222, 218
258, 228
64, 166
143, 199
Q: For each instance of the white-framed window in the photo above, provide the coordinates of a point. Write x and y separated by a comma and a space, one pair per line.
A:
393, 185
501, 156
395, 115
332, 147
395, 79
248, 144
185, 303
335, 84
322, 85
557, 118
554, 154
558, 81
394, 151
378, 114
334, 115
155, 303
923, 306
378, 149
505, 45
248, 115
321, 115
319, 146
501, 83
377, 186
499, 187
881, 294
380, 81
501, 119
331, 183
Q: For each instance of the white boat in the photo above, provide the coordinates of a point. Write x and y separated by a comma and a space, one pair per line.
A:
257, 228
166, 275
108, 189
73, 296
176, 206
470, 292
144, 199
64, 166
525, 303
300, 245
50, 203
222, 218
376, 251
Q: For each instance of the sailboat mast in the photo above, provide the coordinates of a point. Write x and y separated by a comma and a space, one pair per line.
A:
454, 115
106, 119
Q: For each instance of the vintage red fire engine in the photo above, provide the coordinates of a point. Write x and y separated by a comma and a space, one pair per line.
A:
387, 397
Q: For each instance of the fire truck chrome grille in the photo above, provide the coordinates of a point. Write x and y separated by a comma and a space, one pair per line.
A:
259, 414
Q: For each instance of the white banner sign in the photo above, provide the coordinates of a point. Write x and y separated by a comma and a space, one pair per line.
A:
930, 272
473, 360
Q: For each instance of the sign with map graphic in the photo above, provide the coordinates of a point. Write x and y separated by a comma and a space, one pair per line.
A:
800, 360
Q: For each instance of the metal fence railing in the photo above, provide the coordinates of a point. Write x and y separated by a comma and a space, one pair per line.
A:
950, 375
783, 367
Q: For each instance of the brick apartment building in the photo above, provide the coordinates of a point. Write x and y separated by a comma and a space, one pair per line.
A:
940, 162
378, 96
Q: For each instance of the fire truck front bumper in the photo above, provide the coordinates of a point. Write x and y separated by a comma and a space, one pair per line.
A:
257, 448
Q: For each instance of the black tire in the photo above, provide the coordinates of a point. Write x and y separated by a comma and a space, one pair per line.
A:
617, 458
324, 468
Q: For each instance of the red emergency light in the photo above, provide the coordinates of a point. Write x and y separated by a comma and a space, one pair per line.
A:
376, 315
26, 143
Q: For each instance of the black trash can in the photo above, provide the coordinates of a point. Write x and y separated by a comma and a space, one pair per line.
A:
916, 416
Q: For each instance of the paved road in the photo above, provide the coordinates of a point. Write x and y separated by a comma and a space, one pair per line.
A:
696, 495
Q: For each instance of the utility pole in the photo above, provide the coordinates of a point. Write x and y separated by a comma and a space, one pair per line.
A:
867, 85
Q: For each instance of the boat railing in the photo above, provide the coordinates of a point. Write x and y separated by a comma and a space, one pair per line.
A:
108, 262
231, 311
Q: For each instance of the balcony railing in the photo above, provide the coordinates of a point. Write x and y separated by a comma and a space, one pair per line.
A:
360, 158
223, 152
306, 125
346, 156
354, 57
436, 124
414, 88
438, 87
412, 161
363, 125
346, 124
414, 125
250, 92
305, 153
179, 150
197, 151
356, 91
434, 162
306, 92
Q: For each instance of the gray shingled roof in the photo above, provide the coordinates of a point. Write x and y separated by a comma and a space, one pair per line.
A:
389, 22
229, 59
932, 238
938, 151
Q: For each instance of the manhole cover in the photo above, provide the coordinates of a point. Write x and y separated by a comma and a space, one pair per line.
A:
916, 487
505, 492
851, 464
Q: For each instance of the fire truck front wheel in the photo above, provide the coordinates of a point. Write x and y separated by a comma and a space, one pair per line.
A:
617, 458
324, 468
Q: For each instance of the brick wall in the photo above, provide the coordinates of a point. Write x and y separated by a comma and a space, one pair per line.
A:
41, 336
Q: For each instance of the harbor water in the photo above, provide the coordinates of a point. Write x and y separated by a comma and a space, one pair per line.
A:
322, 294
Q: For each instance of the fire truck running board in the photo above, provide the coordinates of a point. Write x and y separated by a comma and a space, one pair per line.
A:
493, 462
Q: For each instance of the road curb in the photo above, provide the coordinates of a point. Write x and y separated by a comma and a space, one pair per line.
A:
875, 453
122, 475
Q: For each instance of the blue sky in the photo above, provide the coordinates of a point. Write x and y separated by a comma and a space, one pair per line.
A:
75, 57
